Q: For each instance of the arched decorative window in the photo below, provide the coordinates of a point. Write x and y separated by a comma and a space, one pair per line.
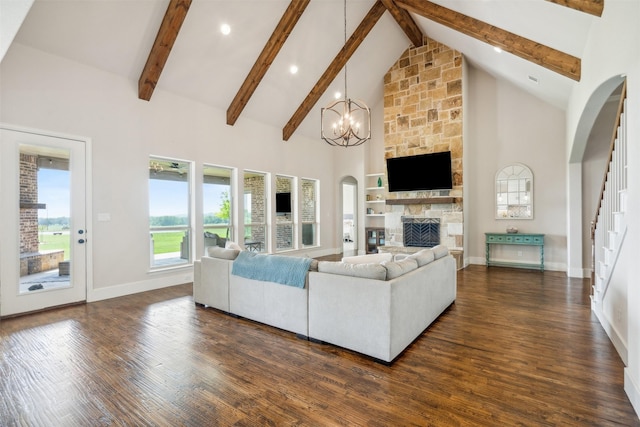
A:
514, 192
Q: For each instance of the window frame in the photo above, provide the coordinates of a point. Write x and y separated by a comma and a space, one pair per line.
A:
160, 164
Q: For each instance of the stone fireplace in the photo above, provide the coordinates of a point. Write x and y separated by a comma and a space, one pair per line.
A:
423, 107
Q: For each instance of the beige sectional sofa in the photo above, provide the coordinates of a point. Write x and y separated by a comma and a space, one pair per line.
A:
375, 308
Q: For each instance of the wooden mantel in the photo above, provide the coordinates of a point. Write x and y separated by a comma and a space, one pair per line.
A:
423, 201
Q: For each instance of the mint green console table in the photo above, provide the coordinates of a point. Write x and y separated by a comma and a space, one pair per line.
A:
514, 239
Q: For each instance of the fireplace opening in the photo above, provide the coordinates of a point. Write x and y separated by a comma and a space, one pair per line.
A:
421, 232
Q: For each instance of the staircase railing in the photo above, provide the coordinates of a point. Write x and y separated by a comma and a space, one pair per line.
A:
608, 228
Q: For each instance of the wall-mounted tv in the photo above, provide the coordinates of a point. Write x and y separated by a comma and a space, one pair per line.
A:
283, 203
422, 172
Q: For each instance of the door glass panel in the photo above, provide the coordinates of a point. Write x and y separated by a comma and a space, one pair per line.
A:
309, 217
255, 229
285, 212
45, 193
217, 206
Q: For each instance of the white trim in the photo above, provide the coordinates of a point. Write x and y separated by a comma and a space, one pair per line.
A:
632, 390
107, 292
612, 333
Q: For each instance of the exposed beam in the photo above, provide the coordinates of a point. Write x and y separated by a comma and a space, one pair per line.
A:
552, 59
265, 59
593, 7
167, 34
334, 68
406, 22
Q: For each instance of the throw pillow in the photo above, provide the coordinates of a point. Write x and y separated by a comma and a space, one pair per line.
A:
397, 269
218, 252
440, 251
232, 245
366, 271
369, 258
423, 257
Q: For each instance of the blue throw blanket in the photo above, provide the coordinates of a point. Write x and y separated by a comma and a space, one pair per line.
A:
285, 270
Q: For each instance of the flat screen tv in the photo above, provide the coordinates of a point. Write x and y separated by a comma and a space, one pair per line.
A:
283, 203
422, 172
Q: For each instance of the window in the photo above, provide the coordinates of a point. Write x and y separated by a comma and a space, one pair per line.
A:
216, 204
309, 213
285, 212
169, 213
255, 224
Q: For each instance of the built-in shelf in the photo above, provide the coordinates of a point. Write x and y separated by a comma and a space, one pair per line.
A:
375, 214
423, 201
32, 205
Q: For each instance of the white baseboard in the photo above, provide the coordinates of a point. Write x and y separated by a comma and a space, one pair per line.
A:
613, 335
632, 390
170, 279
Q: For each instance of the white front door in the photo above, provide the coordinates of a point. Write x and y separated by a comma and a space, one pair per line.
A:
42, 221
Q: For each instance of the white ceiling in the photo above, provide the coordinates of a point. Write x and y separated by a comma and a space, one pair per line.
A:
117, 35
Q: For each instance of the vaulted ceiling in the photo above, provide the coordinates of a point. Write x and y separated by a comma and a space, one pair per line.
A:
176, 45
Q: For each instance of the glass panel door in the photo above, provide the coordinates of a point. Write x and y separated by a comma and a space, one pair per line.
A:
43, 220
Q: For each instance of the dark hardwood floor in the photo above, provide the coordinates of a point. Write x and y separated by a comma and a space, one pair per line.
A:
518, 347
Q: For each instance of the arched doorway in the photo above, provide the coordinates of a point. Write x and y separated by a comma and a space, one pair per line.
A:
349, 219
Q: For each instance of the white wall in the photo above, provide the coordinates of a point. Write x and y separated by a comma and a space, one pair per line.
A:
507, 125
612, 50
46, 92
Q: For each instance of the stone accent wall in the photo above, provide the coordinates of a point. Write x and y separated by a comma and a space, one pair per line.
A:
28, 194
423, 107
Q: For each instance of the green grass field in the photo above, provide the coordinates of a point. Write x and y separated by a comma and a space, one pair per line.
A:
163, 242
55, 242
167, 242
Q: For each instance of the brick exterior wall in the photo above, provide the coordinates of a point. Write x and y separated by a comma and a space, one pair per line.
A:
423, 114
29, 194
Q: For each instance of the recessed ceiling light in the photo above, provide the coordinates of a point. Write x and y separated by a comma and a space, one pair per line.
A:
293, 69
497, 49
337, 95
225, 29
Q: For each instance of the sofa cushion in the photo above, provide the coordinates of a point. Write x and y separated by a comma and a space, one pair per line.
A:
398, 268
366, 271
440, 251
222, 253
369, 258
423, 257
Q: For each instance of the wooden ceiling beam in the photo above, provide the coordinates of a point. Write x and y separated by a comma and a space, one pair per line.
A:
265, 59
334, 68
593, 7
167, 35
547, 57
406, 22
